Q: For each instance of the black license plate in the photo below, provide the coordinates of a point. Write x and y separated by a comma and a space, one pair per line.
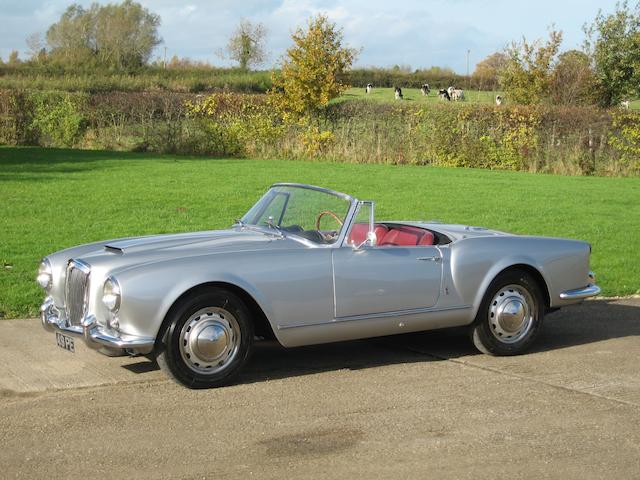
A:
65, 342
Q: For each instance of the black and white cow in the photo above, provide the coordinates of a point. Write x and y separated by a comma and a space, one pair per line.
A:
369, 88
398, 93
425, 89
443, 94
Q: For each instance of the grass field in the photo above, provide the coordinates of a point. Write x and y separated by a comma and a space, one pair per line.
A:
53, 199
414, 95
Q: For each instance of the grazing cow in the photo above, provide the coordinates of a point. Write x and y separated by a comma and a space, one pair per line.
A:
499, 100
369, 88
425, 89
450, 91
626, 104
444, 95
457, 95
398, 93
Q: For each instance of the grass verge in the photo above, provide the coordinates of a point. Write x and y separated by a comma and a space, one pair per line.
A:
52, 199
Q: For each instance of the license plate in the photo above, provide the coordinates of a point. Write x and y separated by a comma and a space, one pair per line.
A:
65, 342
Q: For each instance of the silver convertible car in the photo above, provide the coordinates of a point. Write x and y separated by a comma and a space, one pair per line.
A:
305, 265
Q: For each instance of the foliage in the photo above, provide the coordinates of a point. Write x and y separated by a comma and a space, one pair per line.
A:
175, 78
526, 77
118, 36
614, 43
310, 73
57, 118
487, 72
246, 45
573, 80
233, 124
568, 140
625, 137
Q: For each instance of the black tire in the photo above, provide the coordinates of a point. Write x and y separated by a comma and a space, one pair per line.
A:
226, 319
496, 329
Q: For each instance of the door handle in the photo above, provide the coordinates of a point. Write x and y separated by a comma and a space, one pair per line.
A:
430, 259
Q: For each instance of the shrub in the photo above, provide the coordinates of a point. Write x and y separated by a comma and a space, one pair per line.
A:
58, 118
625, 137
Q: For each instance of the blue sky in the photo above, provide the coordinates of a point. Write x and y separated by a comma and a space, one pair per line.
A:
418, 33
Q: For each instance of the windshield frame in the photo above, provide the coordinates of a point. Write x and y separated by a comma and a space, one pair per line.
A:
353, 205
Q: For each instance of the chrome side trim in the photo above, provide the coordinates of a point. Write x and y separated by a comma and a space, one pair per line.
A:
581, 293
94, 335
369, 316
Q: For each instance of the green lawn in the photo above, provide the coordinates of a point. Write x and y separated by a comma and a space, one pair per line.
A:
51, 199
414, 95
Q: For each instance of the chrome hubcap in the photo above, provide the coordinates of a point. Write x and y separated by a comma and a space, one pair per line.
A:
210, 340
511, 313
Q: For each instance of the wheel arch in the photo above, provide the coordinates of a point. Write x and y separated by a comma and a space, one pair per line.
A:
527, 267
531, 270
260, 321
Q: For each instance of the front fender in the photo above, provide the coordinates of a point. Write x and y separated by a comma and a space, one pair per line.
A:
149, 290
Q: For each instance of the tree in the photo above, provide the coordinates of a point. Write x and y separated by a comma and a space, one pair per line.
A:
526, 76
573, 80
613, 42
246, 45
35, 45
14, 59
487, 72
311, 70
120, 36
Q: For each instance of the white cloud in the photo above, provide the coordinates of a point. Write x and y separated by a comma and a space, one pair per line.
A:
415, 32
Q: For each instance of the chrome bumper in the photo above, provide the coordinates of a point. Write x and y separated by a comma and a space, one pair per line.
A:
94, 335
581, 293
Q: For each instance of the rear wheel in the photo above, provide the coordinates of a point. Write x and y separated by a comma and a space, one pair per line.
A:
510, 316
208, 340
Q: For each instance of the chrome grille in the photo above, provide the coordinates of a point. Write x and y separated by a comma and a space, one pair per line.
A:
76, 291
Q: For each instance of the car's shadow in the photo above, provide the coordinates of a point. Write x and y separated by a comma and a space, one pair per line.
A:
591, 322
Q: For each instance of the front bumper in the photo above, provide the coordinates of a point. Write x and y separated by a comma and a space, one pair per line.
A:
94, 335
591, 290
581, 293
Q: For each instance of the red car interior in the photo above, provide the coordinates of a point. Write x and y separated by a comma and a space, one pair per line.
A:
396, 235
359, 233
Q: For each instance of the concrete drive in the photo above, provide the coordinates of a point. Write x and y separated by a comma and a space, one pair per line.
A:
414, 406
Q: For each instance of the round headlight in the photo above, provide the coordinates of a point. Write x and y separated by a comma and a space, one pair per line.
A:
45, 275
111, 294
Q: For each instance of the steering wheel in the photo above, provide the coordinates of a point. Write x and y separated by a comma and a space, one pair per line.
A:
327, 212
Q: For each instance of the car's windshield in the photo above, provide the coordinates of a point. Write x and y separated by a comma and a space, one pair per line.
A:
313, 214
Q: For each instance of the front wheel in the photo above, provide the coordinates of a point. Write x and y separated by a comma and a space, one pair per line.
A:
510, 315
208, 340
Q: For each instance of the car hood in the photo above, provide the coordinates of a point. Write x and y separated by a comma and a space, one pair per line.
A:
219, 239
135, 250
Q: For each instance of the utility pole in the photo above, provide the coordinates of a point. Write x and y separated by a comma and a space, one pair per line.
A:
165, 58
468, 79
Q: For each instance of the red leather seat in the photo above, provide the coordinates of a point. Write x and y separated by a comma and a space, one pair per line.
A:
406, 236
359, 232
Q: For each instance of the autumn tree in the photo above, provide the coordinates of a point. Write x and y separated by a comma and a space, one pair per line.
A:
573, 80
119, 36
614, 44
247, 45
487, 71
311, 69
526, 76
